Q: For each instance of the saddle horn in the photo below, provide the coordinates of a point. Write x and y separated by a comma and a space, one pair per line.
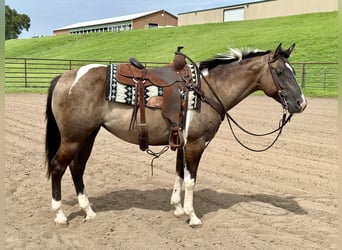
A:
179, 59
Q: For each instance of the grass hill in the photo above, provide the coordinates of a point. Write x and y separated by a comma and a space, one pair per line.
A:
316, 36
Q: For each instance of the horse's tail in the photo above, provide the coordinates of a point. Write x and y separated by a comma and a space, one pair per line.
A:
52, 136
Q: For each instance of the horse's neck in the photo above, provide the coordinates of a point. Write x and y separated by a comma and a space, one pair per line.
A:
234, 82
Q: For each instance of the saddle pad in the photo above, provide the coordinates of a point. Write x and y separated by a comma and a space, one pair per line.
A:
119, 92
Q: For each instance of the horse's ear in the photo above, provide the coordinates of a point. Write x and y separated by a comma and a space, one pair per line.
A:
289, 51
277, 51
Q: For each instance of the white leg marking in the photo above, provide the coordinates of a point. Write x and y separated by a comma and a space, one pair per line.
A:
60, 216
82, 71
176, 197
85, 205
188, 201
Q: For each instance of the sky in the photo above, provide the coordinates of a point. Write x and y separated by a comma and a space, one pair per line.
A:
47, 15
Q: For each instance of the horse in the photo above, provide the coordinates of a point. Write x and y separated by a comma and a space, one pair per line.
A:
76, 109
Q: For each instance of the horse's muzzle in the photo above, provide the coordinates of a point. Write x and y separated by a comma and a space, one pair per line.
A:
298, 106
302, 104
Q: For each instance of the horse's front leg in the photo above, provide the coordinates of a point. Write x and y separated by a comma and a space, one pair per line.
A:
192, 155
176, 199
189, 184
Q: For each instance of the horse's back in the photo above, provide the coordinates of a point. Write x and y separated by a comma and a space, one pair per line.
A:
82, 77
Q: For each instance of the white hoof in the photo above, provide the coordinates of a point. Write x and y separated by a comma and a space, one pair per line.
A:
61, 219
90, 215
195, 222
179, 212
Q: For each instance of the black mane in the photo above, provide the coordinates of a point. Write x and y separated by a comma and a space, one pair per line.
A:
235, 55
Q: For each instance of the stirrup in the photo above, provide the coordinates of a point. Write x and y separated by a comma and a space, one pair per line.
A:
176, 139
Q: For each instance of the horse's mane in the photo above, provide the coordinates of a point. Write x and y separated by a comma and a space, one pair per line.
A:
233, 56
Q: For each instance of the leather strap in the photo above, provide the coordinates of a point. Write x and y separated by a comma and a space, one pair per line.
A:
143, 136
140, 104
215, 105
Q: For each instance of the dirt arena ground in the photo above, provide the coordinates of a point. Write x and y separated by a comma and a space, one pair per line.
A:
285, 198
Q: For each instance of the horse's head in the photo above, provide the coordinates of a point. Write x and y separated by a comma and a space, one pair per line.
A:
279, 81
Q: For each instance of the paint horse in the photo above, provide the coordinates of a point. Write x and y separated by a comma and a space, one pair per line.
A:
77, 109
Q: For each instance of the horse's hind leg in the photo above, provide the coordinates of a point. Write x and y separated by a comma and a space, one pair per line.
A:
77, 167
57, 167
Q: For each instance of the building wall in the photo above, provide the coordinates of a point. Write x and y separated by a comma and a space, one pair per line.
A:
200, 17
288, 8
161, 18
60, 32
108, 27
263, 9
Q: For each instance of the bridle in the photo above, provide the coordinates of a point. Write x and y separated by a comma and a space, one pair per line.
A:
276, 83
219, 107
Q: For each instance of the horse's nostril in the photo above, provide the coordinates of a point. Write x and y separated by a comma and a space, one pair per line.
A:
301, 104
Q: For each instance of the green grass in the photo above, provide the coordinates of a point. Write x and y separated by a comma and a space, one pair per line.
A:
316, 36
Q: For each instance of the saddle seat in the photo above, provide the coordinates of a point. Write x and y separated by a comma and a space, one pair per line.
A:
173, 78
162, 77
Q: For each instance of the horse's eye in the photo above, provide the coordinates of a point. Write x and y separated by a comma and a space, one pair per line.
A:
279, 73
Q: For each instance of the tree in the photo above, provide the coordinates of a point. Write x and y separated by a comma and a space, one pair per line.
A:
15, 23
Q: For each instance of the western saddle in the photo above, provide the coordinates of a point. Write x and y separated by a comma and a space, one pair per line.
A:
174, 78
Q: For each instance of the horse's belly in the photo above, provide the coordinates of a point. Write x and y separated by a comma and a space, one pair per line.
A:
118, 120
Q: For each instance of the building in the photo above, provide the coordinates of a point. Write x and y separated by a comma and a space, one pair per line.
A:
256, 10
151, 19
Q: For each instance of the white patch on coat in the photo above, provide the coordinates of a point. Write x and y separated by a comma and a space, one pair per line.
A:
289, 67
205, 72
82, 71
187, 175
189, 115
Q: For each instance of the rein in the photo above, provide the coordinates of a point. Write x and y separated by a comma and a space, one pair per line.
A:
219, 107
282, 123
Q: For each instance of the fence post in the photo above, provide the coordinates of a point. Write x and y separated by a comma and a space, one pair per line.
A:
324, 78
25, 72
303, 76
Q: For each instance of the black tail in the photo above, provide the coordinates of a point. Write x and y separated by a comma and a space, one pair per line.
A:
53, 136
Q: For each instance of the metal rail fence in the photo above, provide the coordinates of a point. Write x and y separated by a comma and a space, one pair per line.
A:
316, 75
37, 73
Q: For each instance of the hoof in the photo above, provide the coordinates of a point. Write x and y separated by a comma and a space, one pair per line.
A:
90, 216
195, 223
62, 221
179, 212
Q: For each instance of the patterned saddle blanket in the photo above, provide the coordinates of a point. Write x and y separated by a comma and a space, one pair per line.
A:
122, 93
